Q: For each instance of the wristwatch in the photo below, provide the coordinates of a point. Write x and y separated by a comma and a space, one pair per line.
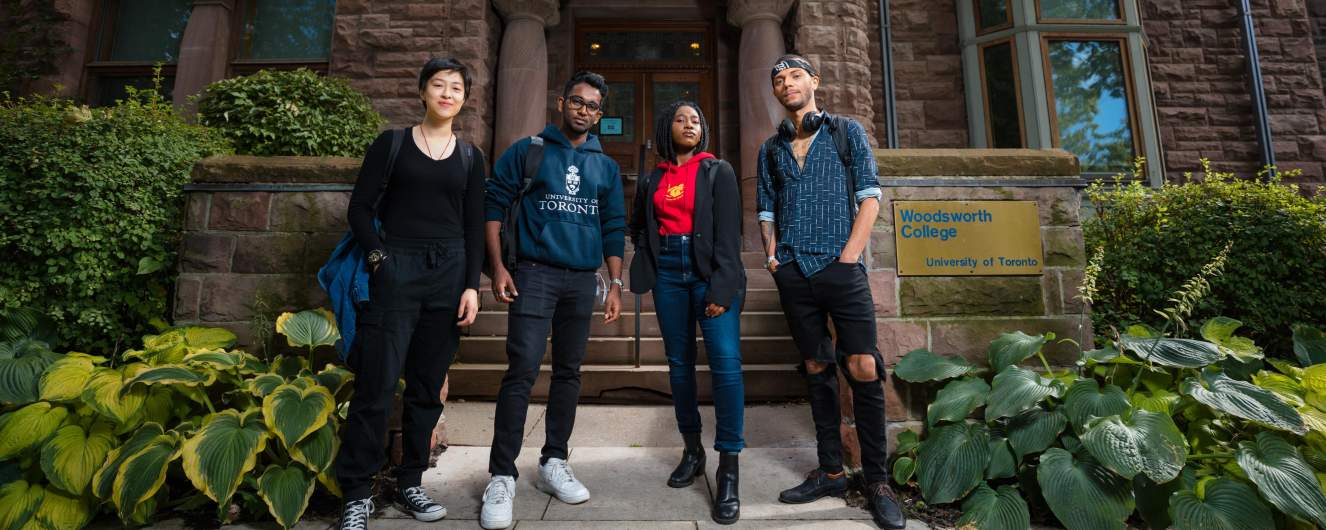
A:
618, 283
769, 261
376, 257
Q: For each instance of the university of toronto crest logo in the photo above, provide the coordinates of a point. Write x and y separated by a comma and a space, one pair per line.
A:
572, 180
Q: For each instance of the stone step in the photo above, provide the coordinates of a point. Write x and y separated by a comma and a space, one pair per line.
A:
623, 383
753, 323
756, 300
756, 280
618, 351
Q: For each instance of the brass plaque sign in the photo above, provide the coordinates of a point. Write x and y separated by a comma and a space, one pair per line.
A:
967, 238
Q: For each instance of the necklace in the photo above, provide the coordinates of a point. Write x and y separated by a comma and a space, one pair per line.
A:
429, 148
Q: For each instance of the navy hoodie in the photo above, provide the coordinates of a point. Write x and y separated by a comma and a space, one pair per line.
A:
574, 215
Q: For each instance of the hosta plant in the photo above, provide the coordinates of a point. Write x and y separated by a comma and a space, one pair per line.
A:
96, 433
1187, 433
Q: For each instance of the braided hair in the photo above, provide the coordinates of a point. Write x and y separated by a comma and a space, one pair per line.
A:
663, 131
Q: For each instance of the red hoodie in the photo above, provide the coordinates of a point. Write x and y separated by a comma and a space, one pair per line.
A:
674, 199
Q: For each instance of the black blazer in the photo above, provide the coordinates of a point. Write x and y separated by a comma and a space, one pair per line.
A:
716, 240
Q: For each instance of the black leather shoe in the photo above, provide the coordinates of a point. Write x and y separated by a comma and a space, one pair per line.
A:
692, 462
884, 507
818, 485
727, 503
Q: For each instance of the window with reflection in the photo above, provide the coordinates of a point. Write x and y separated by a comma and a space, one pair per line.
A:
992, 15
1090, 99
132, 37
289, 30
1078, 10
1003, 115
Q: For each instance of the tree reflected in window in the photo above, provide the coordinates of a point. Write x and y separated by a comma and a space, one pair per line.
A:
1091, 103
1080, 9
287, 29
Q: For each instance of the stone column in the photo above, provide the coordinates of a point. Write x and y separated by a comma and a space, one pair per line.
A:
522, 70
761, 24
69, 72
204, 50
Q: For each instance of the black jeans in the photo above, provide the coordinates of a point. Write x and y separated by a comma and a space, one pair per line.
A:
407, 329
840, 291
551, 299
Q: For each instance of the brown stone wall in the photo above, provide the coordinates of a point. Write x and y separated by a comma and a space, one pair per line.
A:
833, 36
380, 47
1317, 12
1200, 81
927, 66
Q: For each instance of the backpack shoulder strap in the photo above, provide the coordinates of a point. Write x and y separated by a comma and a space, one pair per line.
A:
771, 160
397, 138
466, 155
533, 159
842, 142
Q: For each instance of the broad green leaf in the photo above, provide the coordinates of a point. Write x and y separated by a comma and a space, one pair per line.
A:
1177, 353
61, 511
73, 455
1309, 345
317, 450
1283, 477
1313, 418
1153, 499
1101, 355
1220, 331
1286, 367
1085, 400
1147, 443
1012, 348
1017, 389
308, 329
218, 456
29, 427
903, 469
1141, 331
263, 384
65, 379
173, 374
1083, 495
103, 481
907, 442
293, 413
1159, 400
141, 475
286, 491
957, 400
215, 359
21, 365
108, 393
18, 502
288, 366
334, 378
174, 344
25, 323
952, 460
328, 480
1002, 462
1245, 400
1227, 504
1314, 378
1034, 430
1283, 386
921, 365
987, 509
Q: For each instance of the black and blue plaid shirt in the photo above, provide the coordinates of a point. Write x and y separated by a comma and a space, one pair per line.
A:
812, 208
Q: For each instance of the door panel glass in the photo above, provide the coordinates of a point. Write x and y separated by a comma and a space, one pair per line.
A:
149, 30
619, 121
1001, 95
1091, 103
287, 29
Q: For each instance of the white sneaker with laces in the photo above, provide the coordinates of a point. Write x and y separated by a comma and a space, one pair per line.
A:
498, 499
355, 514
556, 479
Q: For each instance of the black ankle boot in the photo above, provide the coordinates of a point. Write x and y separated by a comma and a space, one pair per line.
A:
727, 504
692, 462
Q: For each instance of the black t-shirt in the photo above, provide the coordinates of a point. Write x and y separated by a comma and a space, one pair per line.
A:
425, 198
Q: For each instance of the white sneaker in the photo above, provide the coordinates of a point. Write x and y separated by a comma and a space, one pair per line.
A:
556, 479
498, 499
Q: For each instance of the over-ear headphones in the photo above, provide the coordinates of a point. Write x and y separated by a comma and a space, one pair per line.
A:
810, 122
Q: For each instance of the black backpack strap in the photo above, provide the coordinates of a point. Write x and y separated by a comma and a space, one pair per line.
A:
842, 142
397, 138
533, 162
466, 155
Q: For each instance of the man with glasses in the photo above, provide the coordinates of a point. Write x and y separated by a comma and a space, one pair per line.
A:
570, 219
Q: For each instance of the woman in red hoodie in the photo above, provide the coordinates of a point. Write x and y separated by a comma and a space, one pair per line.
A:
686, 225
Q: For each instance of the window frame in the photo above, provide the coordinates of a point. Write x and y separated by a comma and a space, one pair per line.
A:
98, 65
1129, 87
1118, 6
237, 66
1017, 89
585, 26
1008, 18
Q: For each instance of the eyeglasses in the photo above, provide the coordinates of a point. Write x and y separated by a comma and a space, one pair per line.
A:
577, 103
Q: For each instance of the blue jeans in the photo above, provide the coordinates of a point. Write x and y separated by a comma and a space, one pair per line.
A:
679, 302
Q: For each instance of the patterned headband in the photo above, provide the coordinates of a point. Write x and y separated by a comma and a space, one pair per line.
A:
792, 62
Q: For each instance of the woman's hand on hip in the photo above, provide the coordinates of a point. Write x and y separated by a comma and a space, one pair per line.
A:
469, 308
714, 310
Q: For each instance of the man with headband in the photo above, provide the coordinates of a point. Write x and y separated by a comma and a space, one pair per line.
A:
818, 198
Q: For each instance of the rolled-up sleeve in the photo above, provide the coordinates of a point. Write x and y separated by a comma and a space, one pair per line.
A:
865, 174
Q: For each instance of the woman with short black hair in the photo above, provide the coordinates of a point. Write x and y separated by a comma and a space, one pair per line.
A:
686, 225
417, 211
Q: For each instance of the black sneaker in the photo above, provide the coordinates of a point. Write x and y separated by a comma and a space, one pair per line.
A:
817, 485
417, 503
355, 515
884, 507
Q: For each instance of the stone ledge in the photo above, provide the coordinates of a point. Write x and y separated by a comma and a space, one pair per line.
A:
276, 169
976, 163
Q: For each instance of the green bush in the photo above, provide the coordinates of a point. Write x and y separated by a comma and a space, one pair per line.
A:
183, 423
1149, 240
297, 113
90, 205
